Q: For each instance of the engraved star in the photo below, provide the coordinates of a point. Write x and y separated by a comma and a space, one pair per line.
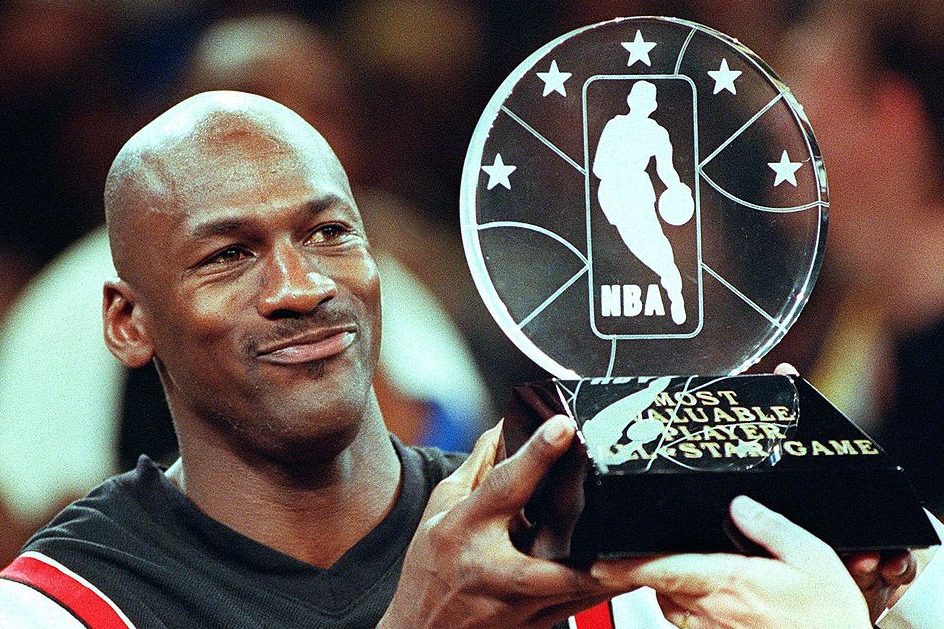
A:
785, 169
724, 77
554, 80
498, 173
638, 49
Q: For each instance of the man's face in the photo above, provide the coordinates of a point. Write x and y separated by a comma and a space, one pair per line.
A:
262, 297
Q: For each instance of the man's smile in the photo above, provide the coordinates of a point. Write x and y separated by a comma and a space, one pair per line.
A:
313, 345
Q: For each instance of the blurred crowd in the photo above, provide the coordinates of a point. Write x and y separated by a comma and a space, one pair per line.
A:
396, 86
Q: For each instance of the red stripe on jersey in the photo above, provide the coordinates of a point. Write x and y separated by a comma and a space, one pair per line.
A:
598, 617
78, 598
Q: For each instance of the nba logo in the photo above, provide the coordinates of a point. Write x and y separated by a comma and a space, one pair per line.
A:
642, 203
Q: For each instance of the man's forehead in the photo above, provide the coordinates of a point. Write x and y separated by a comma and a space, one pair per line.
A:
219, 149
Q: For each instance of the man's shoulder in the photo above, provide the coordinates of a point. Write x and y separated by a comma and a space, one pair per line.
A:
112, 517
38, 591
50, 584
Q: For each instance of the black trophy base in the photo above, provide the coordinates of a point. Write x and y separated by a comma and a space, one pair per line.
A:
772, 438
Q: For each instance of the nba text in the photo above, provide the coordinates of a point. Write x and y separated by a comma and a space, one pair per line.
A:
627, 300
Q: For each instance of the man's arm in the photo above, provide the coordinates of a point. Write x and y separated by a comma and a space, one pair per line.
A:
804, 584
462, 570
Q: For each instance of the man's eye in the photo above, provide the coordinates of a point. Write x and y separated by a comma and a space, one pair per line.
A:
228, 255
333, 232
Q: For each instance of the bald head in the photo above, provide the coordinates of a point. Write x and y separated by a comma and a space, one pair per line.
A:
182, 156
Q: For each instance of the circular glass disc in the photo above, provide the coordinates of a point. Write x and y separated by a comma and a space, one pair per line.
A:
644, 197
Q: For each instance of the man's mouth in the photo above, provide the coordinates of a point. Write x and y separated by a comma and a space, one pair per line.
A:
308, 347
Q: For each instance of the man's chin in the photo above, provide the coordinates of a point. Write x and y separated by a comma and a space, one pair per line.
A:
302, 430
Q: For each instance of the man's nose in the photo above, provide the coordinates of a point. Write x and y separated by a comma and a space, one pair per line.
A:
293, 284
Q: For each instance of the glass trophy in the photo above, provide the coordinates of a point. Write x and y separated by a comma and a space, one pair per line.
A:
644, 214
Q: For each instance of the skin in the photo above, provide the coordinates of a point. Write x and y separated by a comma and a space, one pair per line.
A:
732, 591
462, 570
253, 239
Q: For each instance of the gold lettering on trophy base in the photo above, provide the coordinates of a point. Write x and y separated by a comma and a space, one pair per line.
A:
715, 424
831, 447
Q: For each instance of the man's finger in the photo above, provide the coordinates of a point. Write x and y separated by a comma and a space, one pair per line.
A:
898, 569
527, 577
862, 564
685, 574
863, 568
458, 485
786, 369
678, 611
784, 539
510, 484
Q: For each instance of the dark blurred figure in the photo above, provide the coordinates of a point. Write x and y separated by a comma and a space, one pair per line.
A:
872, 337
61, 117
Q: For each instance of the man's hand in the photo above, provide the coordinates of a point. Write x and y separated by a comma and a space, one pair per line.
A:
462, 570
881, 577
805, 584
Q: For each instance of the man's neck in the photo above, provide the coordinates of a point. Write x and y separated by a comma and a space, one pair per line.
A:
314, 513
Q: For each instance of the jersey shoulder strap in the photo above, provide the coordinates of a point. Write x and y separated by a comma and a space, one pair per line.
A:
598, 617
69, 590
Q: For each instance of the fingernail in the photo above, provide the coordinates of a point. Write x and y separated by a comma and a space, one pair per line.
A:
744, 507
557, 430
902, 567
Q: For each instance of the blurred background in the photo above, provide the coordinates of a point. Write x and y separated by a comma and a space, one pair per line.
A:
397, 86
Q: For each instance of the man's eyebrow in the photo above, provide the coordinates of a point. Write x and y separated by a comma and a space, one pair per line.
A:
228, 225
217, 227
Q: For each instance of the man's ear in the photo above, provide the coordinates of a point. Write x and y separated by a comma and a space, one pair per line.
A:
125, 333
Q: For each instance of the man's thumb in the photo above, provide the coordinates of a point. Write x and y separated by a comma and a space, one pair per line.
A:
457, 486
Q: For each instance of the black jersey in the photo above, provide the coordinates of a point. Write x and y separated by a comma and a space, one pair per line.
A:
164, 563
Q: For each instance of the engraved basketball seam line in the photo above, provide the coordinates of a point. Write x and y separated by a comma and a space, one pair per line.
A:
744, 298
564, 387
538, 229
577, 392
806, 132
678, 62
754, 206
550, 300
609, 369
678, 404
543, 140
743, 128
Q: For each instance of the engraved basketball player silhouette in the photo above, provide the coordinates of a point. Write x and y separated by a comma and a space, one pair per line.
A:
627, 196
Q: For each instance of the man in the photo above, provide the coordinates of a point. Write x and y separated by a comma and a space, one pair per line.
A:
627, 197
98, 417
245, 275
